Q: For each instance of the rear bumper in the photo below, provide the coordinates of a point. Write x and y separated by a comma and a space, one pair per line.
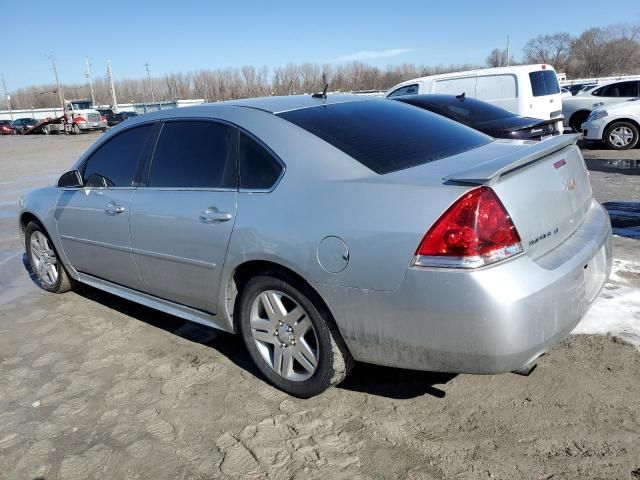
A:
492, 320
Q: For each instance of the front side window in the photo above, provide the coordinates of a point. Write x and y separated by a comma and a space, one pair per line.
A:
114, 164
544, 82
621, 89
258, 169
194, 154
406, 90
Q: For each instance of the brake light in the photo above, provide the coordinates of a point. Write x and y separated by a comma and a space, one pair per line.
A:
475, 231
103, 118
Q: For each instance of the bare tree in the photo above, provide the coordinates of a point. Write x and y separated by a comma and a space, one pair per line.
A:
554, 49
498, 58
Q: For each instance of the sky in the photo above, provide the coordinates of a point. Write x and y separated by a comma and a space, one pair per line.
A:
186, 35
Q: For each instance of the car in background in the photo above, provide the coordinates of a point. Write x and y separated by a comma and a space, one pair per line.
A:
483, 116
6, 127
579, 87
527, 90
565, 92
114, 119
21, 125
577, 108
328, 230
617, 125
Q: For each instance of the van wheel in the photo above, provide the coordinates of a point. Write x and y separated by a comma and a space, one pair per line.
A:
621, 135
44, 261
577, 119
292, 341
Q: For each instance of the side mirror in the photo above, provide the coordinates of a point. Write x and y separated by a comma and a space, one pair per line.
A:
71, 179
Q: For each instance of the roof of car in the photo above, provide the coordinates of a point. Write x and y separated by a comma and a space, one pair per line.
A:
292, 102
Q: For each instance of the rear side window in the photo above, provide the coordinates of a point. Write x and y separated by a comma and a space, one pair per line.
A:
406, 90
544, 82
259, 170
114, 164
386, 136
194, 154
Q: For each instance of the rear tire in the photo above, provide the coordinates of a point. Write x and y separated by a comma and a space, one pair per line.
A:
577, 119
290, 337
621, 135
44, 261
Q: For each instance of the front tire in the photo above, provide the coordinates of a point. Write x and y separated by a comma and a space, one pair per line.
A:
44, 261
75, 129
290, 338
621, 136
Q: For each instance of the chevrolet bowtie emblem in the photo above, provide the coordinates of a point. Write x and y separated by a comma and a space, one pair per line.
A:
569, 184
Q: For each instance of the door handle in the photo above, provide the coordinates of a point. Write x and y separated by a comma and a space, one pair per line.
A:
213, 215
113, 208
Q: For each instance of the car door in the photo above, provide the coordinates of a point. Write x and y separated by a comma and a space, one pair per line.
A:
182, 218
93, 221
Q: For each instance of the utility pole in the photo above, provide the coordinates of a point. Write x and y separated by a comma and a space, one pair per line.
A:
153, 98
55, 73
507, 49
88, 75
114, 102
7, 97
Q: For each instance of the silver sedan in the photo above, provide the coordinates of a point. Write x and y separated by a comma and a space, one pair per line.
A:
328, 230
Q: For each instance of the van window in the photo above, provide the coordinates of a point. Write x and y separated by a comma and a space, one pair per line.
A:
386, 135
455, 86
406, 90
544, 82
496, 87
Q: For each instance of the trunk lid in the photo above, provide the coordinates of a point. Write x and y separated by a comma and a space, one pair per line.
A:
544, 187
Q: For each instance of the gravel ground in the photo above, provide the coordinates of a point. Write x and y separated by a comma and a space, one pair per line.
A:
92, 386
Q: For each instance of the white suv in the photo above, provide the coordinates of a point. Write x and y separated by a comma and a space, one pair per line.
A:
576, 109
617, 125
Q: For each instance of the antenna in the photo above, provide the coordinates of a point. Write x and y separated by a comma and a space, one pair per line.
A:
322, 95
153, 99
88, 75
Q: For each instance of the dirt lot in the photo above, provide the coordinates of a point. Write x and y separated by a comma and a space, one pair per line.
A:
92, 386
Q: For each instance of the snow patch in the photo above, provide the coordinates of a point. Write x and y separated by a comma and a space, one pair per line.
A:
616, 311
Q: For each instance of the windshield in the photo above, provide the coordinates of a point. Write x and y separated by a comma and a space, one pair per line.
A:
544, 82
81, 105
386, 136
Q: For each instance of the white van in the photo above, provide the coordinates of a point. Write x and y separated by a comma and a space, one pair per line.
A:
527, 90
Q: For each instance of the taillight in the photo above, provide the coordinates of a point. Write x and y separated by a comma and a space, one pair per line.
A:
475, 231
103, 118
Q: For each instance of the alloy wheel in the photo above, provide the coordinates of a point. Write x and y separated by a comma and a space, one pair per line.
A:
43, 259
621, 136
284, 335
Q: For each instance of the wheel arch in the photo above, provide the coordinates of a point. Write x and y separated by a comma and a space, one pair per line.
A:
27, 217
633, 122
252, 268
574, 115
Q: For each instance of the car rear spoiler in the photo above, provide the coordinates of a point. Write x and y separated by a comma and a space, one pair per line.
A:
488, 172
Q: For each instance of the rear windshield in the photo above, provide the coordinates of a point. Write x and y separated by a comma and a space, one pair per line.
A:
544, 82
468, 110
385, 135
